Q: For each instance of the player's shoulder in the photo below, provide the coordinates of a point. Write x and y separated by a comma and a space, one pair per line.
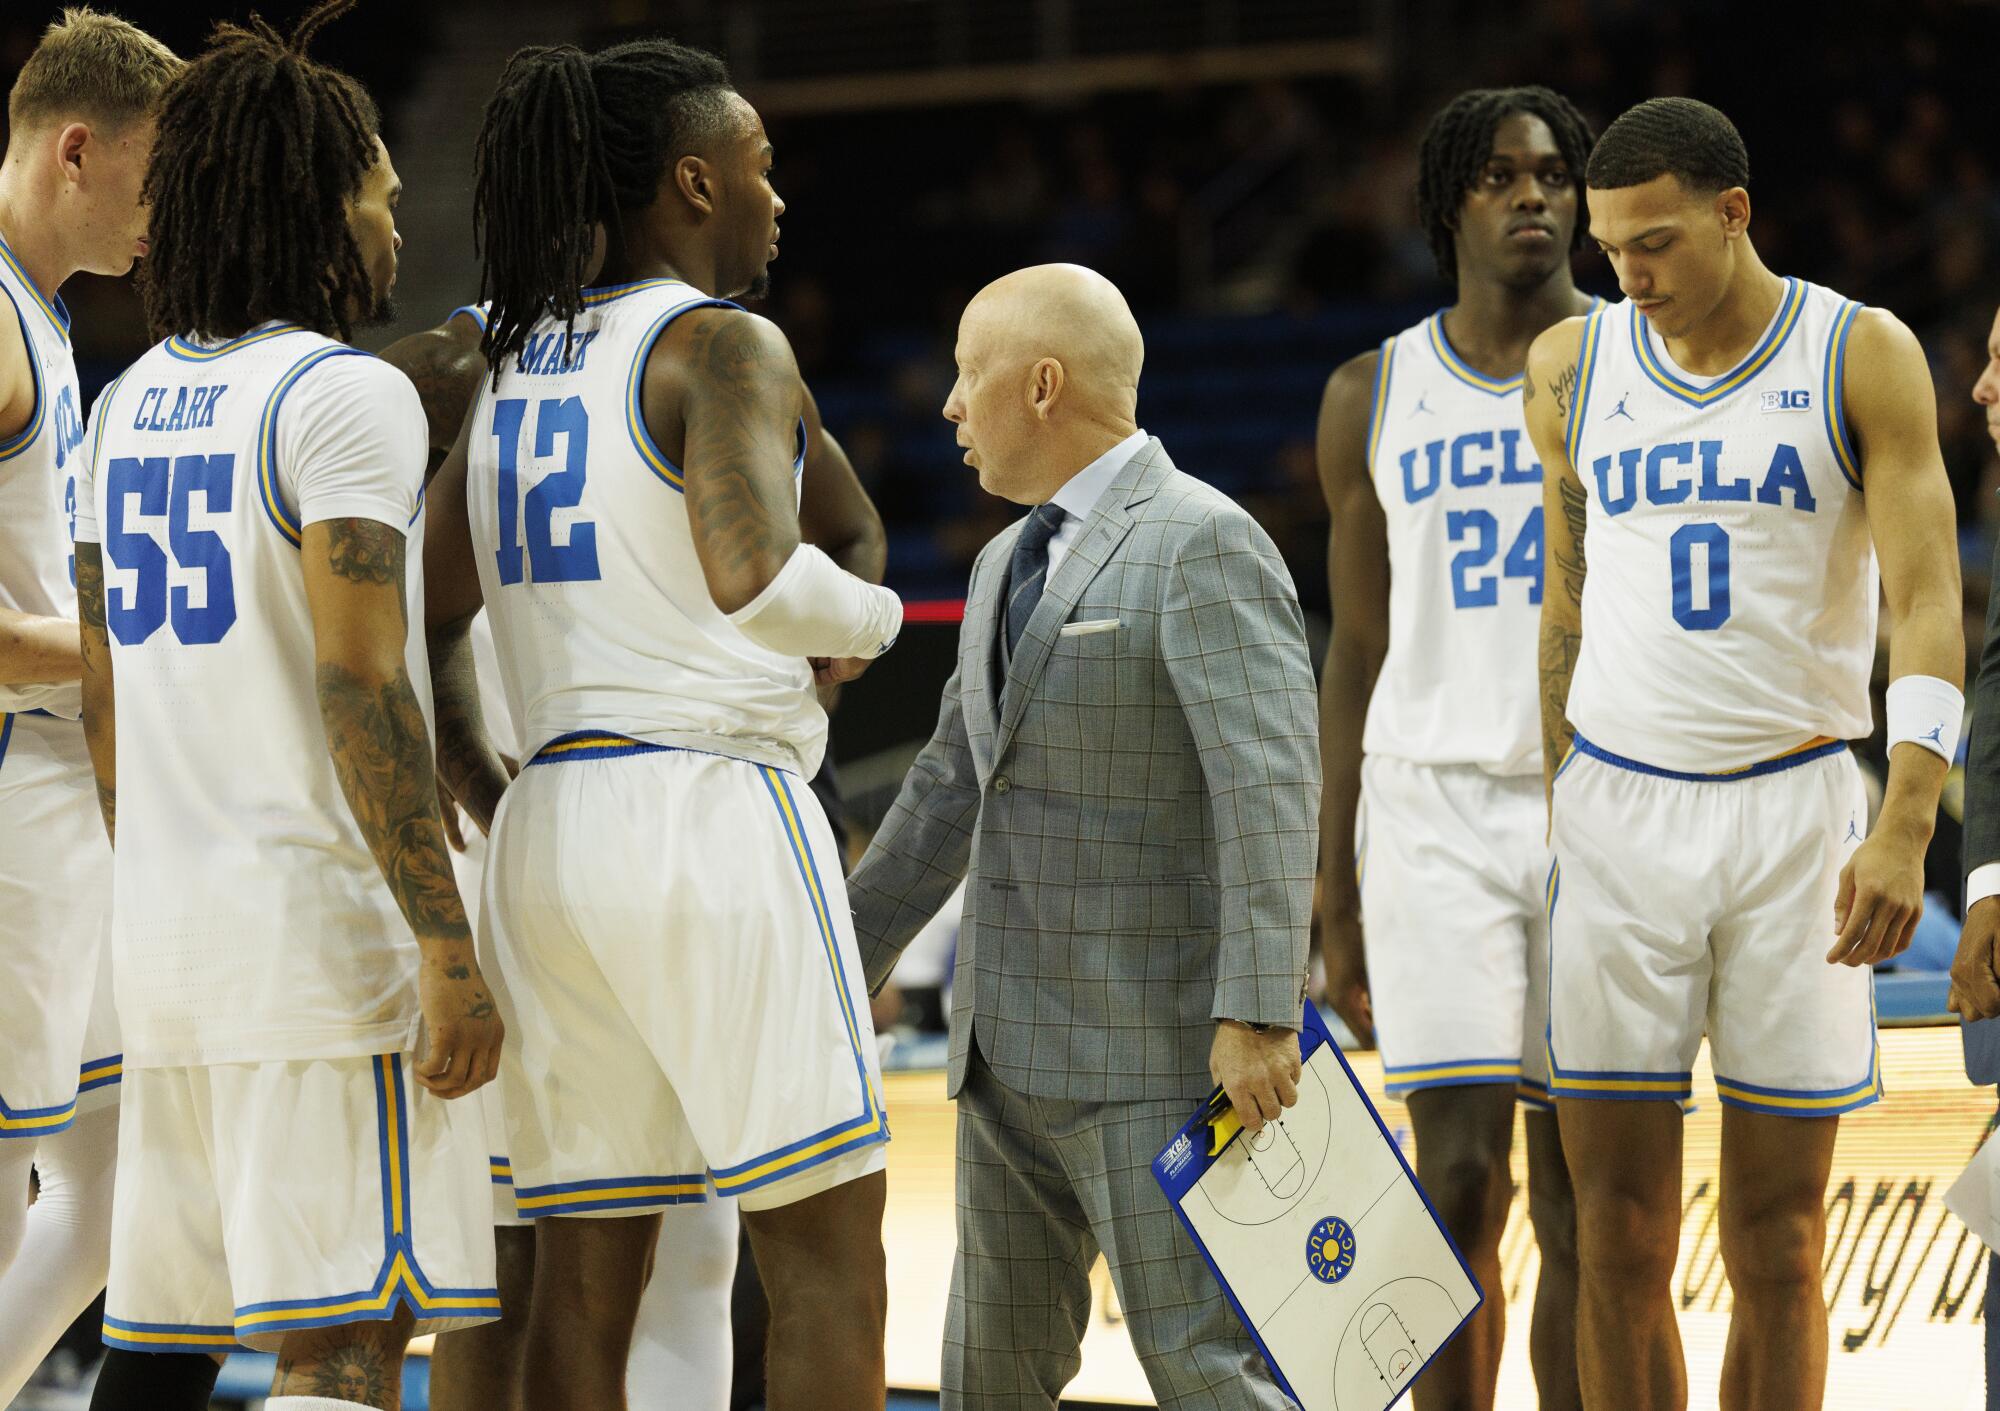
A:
333, 381
1350, 387
1556, 347
727, 339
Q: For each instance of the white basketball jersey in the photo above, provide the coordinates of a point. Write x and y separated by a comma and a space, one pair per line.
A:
601, 617
38, 480
250, 920
1461, 490
1729, 607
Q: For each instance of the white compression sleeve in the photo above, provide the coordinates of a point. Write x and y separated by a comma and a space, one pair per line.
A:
682, 1352
67, 1248
816, 608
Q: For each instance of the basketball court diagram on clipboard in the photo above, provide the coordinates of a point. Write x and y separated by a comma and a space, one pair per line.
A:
1321, 1237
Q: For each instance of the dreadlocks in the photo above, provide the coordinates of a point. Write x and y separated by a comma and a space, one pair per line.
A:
569, 142
259, 151
1458, 142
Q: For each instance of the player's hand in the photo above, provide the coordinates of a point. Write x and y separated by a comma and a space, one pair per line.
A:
1975, 984
1346, 962
832, 671
454, 834
461, 1021
1259, 1072
1880, 899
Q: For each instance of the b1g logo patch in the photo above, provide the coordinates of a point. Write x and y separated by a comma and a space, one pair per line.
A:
1792, 399
1330, 1250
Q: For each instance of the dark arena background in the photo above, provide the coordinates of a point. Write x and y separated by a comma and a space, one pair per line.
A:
1245, 171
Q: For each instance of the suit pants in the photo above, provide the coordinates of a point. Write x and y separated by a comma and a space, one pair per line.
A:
1044, 1184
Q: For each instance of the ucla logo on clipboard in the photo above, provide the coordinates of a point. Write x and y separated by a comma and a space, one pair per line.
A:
1330, 1250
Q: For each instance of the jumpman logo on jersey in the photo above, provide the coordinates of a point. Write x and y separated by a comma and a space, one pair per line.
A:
1853, 833
1935, 735
1619, 410
1420, 407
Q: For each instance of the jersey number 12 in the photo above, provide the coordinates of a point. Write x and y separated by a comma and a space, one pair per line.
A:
548, 561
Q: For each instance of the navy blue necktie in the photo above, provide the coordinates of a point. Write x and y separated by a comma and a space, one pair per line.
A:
1029, 570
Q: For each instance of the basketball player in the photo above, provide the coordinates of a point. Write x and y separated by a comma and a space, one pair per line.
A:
686, 998
296, 978
1722, 449
1436, 562
79, 129
682, 1344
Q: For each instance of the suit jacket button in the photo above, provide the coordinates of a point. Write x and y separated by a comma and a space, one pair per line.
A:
1001, 784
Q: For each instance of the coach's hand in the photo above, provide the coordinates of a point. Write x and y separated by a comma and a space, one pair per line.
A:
1259, 1072
1881, 897
463, 1026
1975, 984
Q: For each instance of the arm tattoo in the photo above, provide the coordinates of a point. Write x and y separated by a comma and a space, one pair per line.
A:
99, 723
366, 552
382, 755
466, 759
1564, 389
744, 511
1575, 509
1527, 387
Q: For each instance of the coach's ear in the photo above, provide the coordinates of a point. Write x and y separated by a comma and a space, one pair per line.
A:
696, 184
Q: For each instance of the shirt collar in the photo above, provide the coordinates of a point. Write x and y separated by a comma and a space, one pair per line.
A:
1081, 492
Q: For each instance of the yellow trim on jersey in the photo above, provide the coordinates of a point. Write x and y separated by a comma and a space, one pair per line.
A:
58, 315
1378, 407
1642, 342
194, 352
586, 742
1561, 1086
1464, 371
1586, 366
594, 297
40, 1122
1499, 1068
1817, 742
114, 1068
657, 1190
123, 1335
1834, 395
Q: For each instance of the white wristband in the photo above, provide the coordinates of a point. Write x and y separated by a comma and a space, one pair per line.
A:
816, 608
1926, 711
1982, 882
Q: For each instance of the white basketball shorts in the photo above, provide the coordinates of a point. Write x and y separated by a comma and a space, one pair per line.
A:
257, 1199
684, 1002
60, 1054
1452, 863
1680, 903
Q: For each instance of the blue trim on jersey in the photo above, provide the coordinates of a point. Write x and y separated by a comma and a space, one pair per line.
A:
611, 293
36, 1121
477, 315
167, 1337
1776, 765
1586, 369
100, 1073
501, 1170
870, 1127
595, 744
281, 515
1451, 1073
1464, 371
1534, 1095
1760, 356
1378, 400
1803, 1102
6, 733
635, 414
400, 1280
188, 352
25, 437
610, 1193
1833, 399
53, 307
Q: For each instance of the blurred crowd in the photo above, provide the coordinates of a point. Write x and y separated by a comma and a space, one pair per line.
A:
1266, 232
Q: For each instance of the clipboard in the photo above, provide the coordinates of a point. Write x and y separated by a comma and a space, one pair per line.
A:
1322, 1240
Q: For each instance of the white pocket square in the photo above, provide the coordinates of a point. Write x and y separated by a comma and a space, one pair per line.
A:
1084, 629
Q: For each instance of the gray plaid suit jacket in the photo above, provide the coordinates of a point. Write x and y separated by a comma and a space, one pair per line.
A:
1138, 821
